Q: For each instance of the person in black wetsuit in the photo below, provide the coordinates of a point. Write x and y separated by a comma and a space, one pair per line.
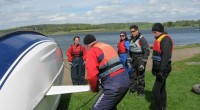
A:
162, 53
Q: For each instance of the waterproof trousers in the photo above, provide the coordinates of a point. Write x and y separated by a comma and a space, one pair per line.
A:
123, 57
159, 92
78, 71
113, 90
137, 79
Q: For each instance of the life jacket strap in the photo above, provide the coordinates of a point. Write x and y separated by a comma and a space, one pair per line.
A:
158, 58
103, 71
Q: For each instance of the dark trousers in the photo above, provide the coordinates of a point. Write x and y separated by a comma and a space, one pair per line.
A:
137, 79
78, 71
160, 94
113, 90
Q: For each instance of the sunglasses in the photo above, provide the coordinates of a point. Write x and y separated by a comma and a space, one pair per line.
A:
122, 35
132, 31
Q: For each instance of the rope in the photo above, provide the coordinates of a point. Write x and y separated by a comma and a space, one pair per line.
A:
85, 102
67, 67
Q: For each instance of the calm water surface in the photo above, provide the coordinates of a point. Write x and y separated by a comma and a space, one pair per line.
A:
181, 36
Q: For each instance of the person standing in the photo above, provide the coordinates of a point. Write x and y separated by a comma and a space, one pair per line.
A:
139, 52
123, 50
162, 53
76, 57
104, 69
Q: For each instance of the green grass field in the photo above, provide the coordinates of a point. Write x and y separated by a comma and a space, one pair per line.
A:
179, 85
187, 46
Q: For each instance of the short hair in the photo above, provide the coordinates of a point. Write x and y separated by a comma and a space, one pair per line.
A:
134, 26
76, 37
89, 38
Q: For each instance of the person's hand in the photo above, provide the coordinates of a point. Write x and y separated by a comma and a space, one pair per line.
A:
84, 63
95, 89
153, 73
160, 77
70, 64
128, 62
141, 68
129, 65
142, 64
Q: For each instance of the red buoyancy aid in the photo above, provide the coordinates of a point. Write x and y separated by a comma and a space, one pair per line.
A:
121, 47
157, 49
111, 61
76, 51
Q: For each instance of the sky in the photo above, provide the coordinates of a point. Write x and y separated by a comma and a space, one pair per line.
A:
15, 13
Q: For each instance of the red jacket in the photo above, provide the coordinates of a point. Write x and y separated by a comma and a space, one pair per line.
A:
75, 51
93, 62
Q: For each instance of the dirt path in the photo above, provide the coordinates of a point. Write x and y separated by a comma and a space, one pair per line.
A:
178, 55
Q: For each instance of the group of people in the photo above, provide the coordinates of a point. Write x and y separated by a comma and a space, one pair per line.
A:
134, 55
115, 72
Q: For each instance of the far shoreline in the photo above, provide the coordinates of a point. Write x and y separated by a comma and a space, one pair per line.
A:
103, 31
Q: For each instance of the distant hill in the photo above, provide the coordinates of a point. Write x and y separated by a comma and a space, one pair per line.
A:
81, 28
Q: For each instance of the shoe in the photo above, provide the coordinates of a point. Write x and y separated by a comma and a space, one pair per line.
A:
131, 92
140, 94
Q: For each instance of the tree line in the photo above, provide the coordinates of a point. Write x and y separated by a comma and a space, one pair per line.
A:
77, 28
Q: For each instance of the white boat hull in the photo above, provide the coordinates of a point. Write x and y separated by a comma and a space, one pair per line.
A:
28, 79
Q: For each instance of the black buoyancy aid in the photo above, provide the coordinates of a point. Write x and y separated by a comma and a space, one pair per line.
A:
75, 52
157, 49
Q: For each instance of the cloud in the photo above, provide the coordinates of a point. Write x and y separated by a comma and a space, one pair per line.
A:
154, 1
58, 18
9, 2
162, 12
30, 12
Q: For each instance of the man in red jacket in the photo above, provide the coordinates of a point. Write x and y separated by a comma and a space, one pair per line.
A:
104, 69
76, 58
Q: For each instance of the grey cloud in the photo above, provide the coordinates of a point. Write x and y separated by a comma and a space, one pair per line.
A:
9, 2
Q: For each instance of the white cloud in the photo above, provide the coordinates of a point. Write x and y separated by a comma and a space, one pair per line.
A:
29, 12
154, 1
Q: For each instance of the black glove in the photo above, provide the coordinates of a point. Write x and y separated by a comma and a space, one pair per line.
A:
153, 73
160, 77
154, 70
128, 62
141, 65
141, 68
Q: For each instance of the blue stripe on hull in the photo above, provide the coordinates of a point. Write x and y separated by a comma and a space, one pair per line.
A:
13, 45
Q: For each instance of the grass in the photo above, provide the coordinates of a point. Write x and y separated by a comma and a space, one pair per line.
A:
78, 31
179, 84
187, 46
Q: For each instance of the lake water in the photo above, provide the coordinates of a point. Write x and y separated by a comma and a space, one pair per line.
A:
182, 36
